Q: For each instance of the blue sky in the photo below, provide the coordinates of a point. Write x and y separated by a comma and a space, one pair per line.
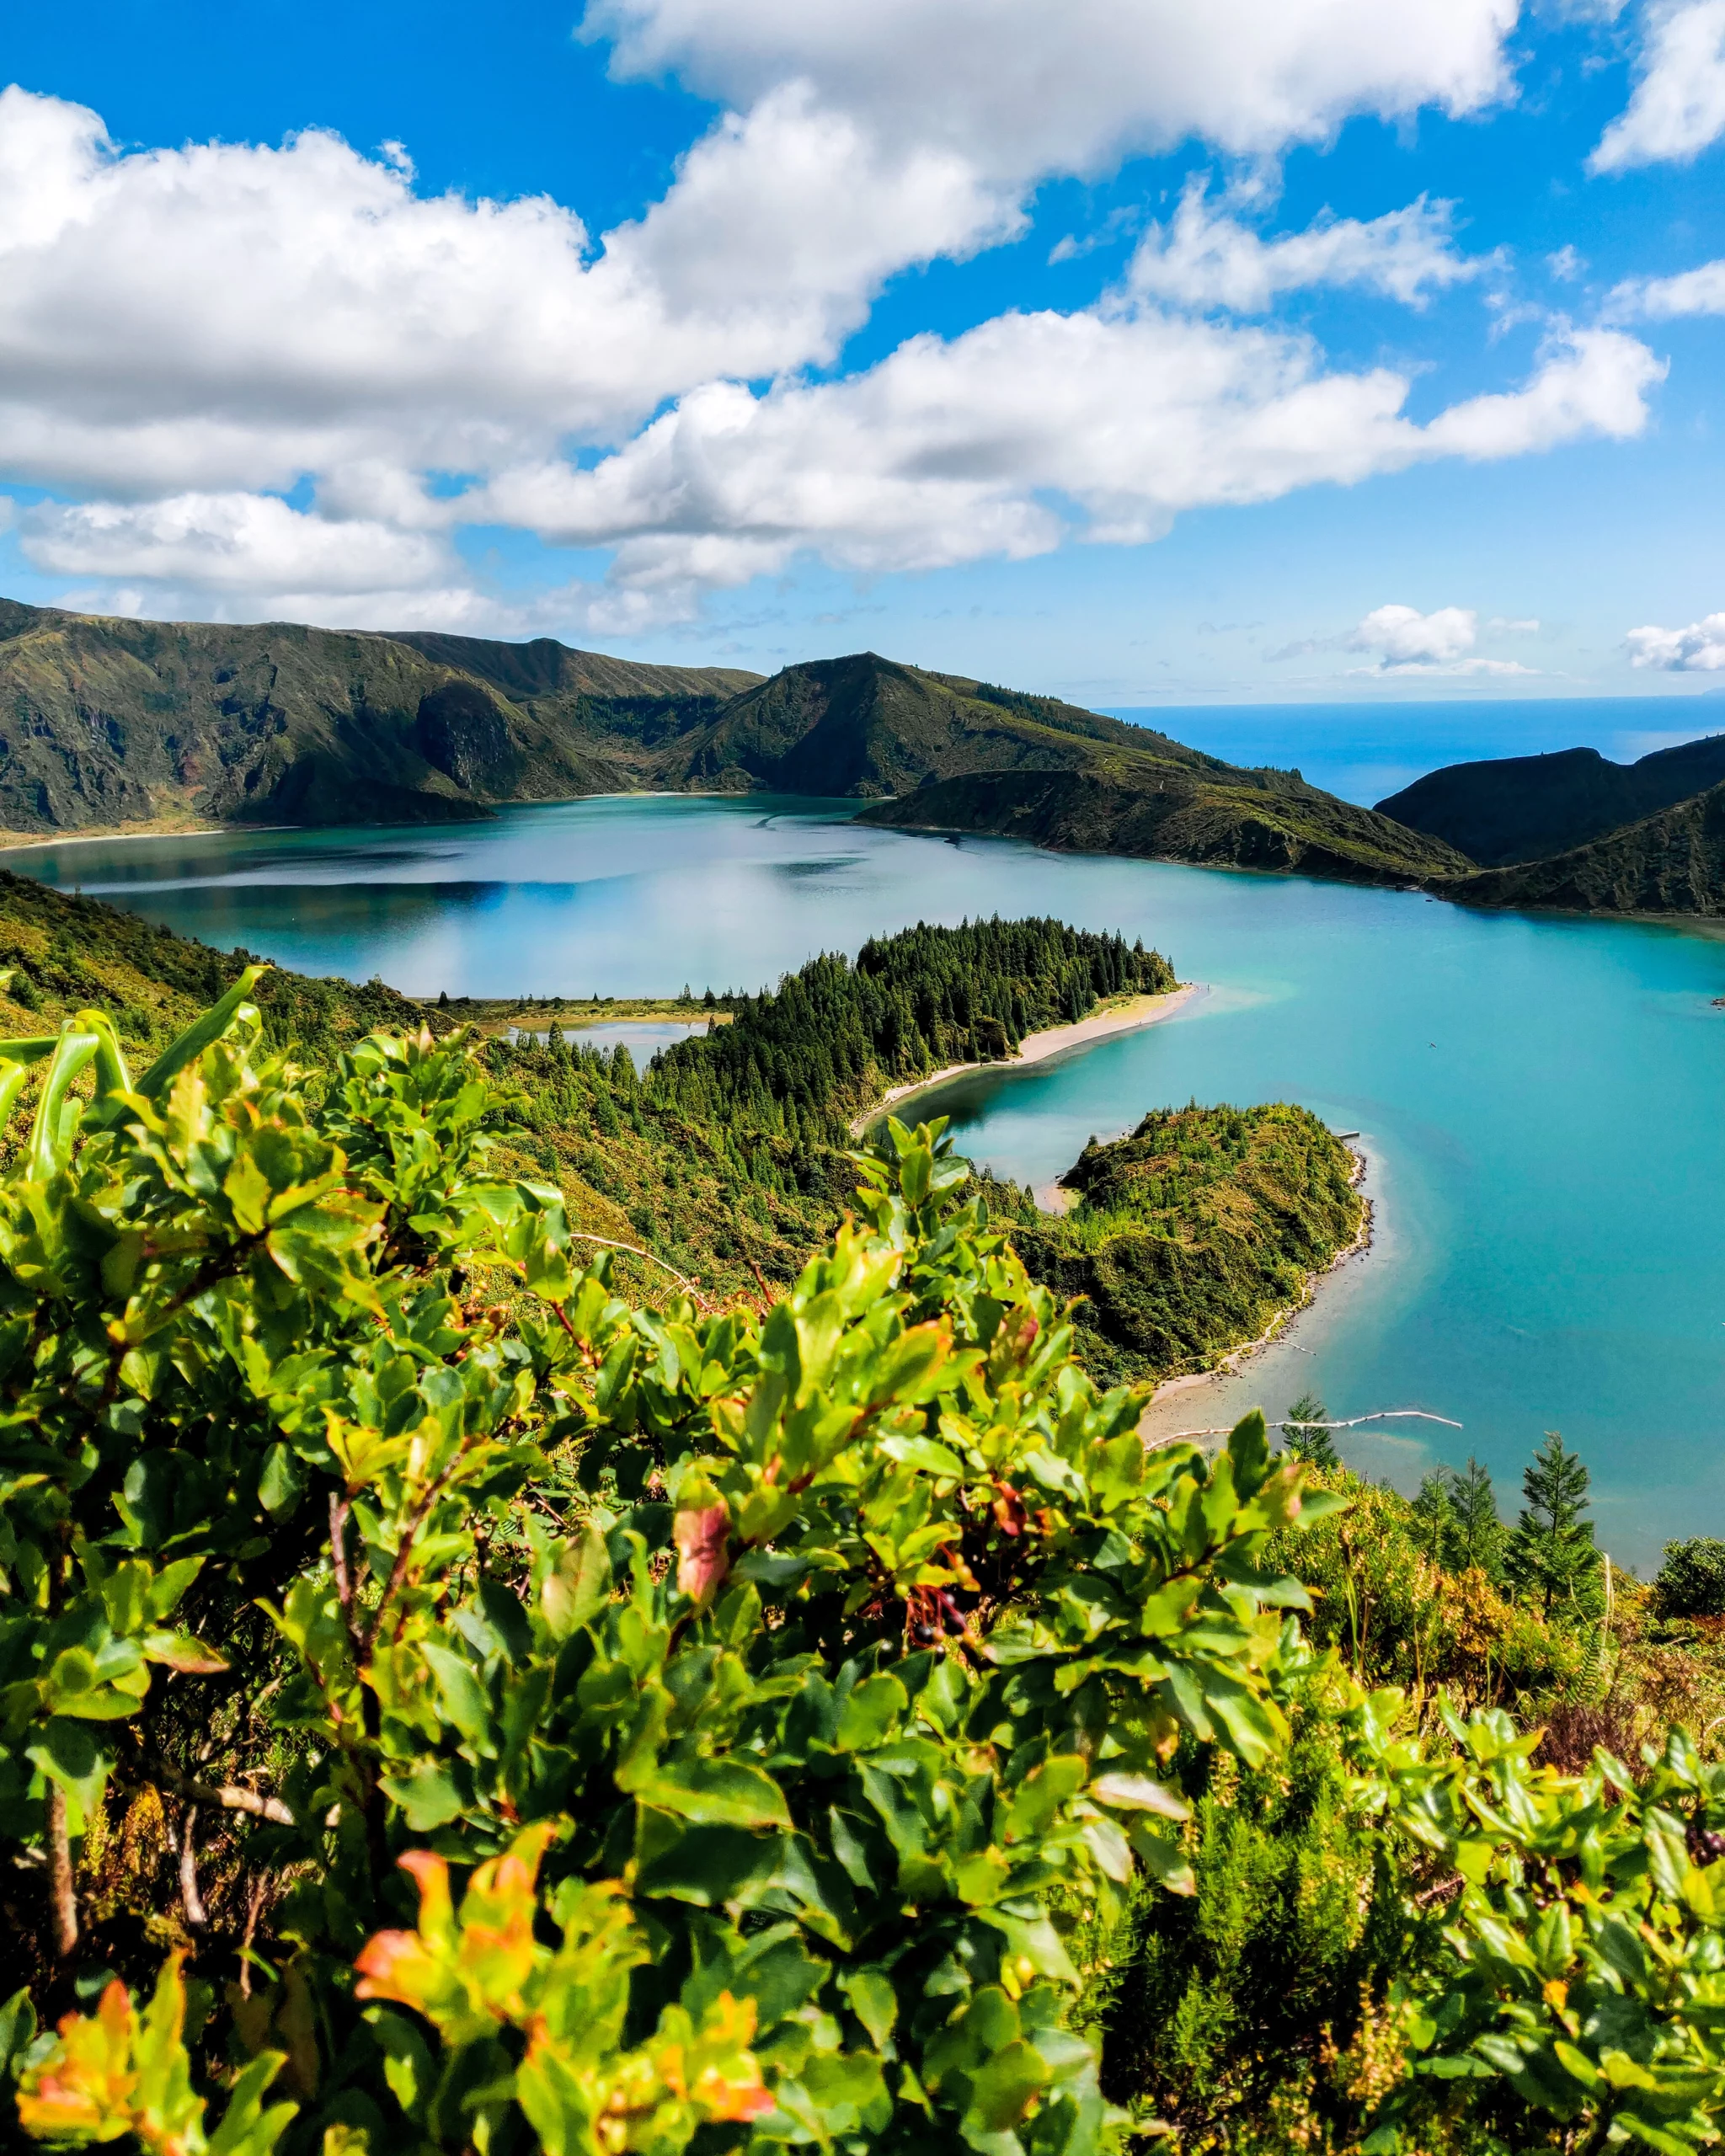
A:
1283, 350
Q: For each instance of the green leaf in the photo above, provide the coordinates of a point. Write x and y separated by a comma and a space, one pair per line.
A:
1139, 1793
198, 1036
873, 2001
714, 1793
429, 1796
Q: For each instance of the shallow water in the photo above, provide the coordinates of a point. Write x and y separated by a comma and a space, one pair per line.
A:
1540, 1096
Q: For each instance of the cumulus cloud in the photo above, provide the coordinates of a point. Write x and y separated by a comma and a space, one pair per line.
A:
1205, 258
186, 336
1020, 89
1678, 107
1022, 432
1698, 649
228, 315
1405, 640
1402, 637
229, 542
1700, 290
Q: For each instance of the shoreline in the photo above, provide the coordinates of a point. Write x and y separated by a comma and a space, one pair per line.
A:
1129, 1018
1230, 1365
20, 842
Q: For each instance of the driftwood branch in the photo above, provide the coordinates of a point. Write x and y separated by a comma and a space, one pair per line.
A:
1298, 1423
190, 1899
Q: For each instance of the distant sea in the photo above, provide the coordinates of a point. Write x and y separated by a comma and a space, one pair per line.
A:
1366, 751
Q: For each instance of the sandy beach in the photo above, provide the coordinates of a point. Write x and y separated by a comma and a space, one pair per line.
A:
1125, 1016
23, 841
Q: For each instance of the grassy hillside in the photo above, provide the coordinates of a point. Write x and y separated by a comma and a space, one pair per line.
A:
868, 726
546, 667
1509, 810
1187, 1236
64, 953
1122, 802
1671, 863
108, 722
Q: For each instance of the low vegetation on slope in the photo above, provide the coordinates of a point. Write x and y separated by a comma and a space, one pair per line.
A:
868, 726
1186, 1238
110, 722
1671, 863
1120, 802
63, 952
1508, 809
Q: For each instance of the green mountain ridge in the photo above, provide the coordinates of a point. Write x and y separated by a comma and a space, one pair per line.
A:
1139, 805
1505, 810
1673, 863
108, 722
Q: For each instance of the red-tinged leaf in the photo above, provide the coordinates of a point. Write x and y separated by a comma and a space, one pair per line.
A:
701, 1533
180, 1651
397, 1965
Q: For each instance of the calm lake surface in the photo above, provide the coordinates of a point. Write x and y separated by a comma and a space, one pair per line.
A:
1540, 1098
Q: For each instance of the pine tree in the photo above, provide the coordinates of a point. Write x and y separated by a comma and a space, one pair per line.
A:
1478, 1534
1434, 1517
1551, 1557
1304, 1433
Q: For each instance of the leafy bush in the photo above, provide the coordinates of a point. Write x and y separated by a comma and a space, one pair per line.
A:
1691, 1583
1581, 1999
1396, 1616
1247, 2015
613, 1728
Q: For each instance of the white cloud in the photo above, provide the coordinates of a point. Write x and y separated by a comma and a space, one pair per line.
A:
230, 542
1021, 89
188, 336
1566, 263
1207, 259
1030, 429
1678, 107
1405, 640
1698, 649
227, 316
1402, 636
1700, 290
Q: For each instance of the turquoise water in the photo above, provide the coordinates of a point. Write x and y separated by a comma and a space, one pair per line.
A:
1540, 1097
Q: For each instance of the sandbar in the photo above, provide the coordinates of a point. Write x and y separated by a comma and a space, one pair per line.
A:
1125, 1015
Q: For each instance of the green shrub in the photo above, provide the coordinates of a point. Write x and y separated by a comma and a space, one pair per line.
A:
1245, 2015
1691, 1583
566, 1724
